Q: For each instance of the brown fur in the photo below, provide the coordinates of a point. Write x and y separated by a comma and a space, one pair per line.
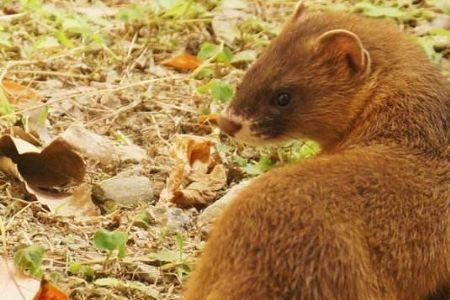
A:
368, 218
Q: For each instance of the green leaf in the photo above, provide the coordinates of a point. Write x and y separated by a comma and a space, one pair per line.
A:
440, 31
179, 242
32, 5
127, 285
305, 150
207, 51
221, 91
77, 268
165, 255
142, 219
30, 258
122, 138
204, 73
203, 89
225, 56
183, 8
263, 165
376, 11
242, 162
63, 39
111, 240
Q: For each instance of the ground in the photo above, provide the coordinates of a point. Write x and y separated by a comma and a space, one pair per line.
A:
100, 64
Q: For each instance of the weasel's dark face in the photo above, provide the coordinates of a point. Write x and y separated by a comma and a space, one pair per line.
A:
304, 85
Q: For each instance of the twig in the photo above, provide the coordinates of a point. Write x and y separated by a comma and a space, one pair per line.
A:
52, 73
158, 133
9, 18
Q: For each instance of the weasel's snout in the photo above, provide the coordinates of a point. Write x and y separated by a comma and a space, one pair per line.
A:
228, 126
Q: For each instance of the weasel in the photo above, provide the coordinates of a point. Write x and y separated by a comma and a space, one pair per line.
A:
368, 218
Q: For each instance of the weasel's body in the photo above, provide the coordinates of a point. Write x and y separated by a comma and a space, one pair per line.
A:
369, 217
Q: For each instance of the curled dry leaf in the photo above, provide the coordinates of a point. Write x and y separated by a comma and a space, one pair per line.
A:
49, 291
57, 165
182, 62
34, 114
45, 170
75, 203
197, 175
15, 284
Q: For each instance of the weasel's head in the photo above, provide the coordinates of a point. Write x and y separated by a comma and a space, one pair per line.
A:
303, 86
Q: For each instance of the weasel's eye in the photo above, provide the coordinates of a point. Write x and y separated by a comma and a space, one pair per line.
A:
283, 99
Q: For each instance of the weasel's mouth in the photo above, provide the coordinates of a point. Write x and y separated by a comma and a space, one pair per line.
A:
249, 131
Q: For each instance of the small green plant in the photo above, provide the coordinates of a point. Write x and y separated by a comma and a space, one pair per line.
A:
110, 241
263, 165
30, 259
220, 91
300, 151
185, 9
86, 271
142, 219
215, 53
174, 260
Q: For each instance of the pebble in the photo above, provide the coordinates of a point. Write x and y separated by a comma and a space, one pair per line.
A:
210, 214
125, 190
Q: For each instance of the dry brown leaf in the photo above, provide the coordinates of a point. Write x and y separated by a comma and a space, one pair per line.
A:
18, 132
182, 62
18, 93
14, 284
26, 99
49, 291
197, 175
57, 165
100, 147
76, 203
203, 189
54, 167
192, 151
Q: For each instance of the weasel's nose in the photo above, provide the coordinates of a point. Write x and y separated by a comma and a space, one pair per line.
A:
228, 126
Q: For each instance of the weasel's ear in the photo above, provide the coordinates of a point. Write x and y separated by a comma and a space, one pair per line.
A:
300, 9
347, 45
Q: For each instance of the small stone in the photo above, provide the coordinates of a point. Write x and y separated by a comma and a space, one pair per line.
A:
146, 272
174, 218
125, 191
210, 214
131, 153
